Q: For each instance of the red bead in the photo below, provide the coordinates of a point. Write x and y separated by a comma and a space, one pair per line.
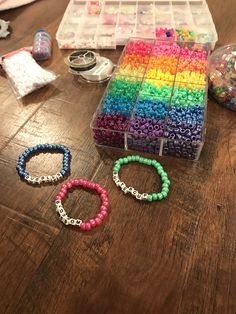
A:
58, 197
106, 203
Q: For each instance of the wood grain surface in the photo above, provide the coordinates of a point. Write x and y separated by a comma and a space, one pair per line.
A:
175, 256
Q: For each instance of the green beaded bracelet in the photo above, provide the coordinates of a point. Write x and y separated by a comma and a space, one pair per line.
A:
150, 162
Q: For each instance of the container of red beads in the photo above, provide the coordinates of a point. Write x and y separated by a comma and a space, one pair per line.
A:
156, 100
222, 76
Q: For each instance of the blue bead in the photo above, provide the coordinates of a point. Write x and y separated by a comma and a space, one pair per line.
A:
63, 172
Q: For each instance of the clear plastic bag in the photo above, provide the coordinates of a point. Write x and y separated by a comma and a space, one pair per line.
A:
24, 74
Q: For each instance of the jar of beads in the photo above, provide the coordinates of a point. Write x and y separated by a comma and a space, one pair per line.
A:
222, 76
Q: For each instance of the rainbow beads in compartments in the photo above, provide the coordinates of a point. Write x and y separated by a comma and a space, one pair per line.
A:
156, 100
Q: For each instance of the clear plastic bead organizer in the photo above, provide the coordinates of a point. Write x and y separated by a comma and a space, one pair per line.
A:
156, 109
106, 24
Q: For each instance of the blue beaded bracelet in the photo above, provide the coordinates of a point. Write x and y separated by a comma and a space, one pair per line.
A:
43, 148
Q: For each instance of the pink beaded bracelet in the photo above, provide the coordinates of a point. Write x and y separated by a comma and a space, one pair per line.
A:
84, 225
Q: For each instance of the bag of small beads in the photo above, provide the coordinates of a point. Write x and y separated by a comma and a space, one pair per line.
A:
23, 72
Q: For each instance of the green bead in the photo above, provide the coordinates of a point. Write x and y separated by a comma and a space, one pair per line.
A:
149, 198
137, 158
154, 163
165, 185
164, 194
126, 160
129, 158
154, 196
133, 158
141, 159
159, 196
148, 162
120, 161
165, 190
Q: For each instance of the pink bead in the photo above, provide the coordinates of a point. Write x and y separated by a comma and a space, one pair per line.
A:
98, 221
92, 222
99, 189
88, 226
100, 216
84, 183
104, 208
92, 185
72, 181
104, 213
105, 204
89, 185
83, 226
77, 182
63, 190
64, 186
104, 198
62, 195
69, 185
58, 197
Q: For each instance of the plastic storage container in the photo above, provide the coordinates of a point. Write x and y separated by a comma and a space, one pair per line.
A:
156, 100
106, 24
42, 47
222, 76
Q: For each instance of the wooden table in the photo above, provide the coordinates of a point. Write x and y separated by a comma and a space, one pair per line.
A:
176, 256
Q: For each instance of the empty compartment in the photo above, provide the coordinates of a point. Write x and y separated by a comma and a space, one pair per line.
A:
111, 7
106, 37
145, 31
180, 7
145, 7
128, 7
201, 19
76, 11
197, 6
127, 19
162, 7
146, 19
165, 18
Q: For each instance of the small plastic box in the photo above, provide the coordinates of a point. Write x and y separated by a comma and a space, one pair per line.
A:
152, 108
131, 18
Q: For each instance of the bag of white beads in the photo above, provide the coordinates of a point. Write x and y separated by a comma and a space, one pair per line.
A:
24, 73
